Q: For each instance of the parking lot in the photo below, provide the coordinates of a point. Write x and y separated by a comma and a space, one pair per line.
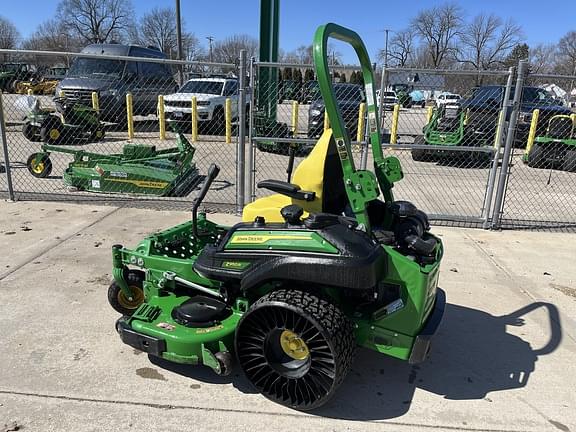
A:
502, 360
441, 189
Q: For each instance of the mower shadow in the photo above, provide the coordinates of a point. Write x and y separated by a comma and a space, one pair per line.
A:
471, 356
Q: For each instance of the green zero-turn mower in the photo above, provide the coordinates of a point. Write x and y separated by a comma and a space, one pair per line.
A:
72, 120
447, 129
139, 169
313, 272
558, 147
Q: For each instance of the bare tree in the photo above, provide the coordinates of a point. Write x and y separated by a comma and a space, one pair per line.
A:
542, 58
438, 27
486, 41
158, 28
228, 50
96, 21
9, 35
401, 48
567, 54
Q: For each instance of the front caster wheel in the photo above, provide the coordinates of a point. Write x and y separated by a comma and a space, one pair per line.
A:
39, 165
118, 300
295, 348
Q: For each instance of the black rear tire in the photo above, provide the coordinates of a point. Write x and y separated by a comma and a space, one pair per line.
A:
119, 302
295, 348
537, 156
52, 130
569, 163
421, 155
31, 132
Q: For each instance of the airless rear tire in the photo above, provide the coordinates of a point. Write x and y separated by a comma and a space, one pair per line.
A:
295, 348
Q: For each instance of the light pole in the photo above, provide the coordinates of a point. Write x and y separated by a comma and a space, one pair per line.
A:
210, 39
179, 41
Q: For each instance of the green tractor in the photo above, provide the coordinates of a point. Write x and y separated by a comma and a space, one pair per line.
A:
139, 169
446, 130
70, 121
557, 148
314, 271
12, 73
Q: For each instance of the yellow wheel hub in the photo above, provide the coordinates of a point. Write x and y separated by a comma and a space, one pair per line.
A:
37, 167
293, 345
137, 298
54, 134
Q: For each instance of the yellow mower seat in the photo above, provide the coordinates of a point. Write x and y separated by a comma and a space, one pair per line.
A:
320, 172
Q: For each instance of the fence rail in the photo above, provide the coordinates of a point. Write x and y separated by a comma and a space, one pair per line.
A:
490, 149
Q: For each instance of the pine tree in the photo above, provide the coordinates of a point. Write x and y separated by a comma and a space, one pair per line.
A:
287, 73
309, 75
297, 76
343, 78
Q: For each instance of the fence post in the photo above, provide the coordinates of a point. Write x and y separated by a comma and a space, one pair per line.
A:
7, 169
294, 118
326, 121
194, 118
504, 171
95, 102
498, 145
129, 115
161, 117
361, 114
241, 147
394, 128
228, 120
532, 133
251, 154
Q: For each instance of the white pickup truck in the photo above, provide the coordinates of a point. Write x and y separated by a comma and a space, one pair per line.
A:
211, 95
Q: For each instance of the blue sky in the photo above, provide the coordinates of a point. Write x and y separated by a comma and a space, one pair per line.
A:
299, 18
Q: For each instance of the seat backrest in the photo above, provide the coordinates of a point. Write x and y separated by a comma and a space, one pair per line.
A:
321, 173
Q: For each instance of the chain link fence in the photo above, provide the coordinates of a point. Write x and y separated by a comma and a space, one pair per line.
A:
136, 129
541, 181
118, 125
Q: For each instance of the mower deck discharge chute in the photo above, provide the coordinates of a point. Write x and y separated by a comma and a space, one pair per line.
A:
557, 149
311, 273
139, 169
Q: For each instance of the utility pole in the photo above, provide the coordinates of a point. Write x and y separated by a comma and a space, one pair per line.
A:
386, 48
179, 40
210, 39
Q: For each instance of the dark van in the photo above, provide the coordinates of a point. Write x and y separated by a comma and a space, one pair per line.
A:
112, 79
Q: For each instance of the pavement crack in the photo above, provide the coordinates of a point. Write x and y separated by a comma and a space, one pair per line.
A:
244, 411
55, 244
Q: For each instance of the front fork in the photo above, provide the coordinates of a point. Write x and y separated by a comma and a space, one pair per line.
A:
119, 271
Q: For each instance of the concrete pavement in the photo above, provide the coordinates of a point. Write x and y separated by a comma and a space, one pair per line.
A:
503, 359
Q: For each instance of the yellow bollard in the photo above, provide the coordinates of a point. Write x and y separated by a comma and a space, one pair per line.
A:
95, 102
30, 92
129, 115
62, 94
498, 129
194, 118
326, 121
394, 128
361, 115
294, 118
466, 116
532, 133
429, 112
573, 117
228, 117
161, 117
